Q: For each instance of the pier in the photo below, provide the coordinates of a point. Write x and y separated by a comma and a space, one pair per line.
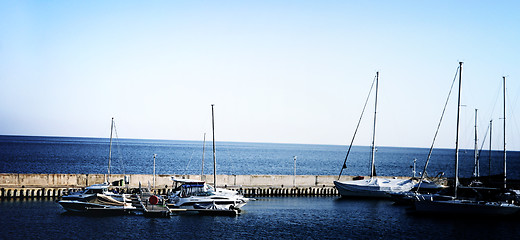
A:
13, 185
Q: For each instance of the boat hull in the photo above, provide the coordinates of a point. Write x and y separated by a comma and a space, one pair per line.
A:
373, 188
189, 202
94, 208
462, 207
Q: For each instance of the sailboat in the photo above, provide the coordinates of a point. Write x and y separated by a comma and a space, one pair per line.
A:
97, 196
458, 205
372, 187
189, 193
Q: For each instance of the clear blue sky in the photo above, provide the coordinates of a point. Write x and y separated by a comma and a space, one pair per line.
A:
277, 71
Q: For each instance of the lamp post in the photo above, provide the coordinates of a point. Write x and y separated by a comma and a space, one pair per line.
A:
294, 176
154, 155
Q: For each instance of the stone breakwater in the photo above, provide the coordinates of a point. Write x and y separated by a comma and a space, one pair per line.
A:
14, 185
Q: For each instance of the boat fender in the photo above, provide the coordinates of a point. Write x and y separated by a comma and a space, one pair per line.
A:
153, 200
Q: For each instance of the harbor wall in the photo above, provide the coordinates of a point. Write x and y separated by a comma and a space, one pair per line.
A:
54, 185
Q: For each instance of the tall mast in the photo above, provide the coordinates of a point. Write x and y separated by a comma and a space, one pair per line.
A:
373, 168
110, 150
505, 163
490, 131
203, 151
457, 136
214, 155
476, 170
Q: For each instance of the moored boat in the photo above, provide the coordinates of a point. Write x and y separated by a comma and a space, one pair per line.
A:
373, 187
462, 205
188, 192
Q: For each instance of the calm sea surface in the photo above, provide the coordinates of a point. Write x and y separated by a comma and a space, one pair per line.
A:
267, 218
28, 154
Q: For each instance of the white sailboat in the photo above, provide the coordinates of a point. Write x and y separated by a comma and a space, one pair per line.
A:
457, 205
97, 196
372, 187
188, 193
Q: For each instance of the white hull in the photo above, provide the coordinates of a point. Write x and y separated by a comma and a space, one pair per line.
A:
188, 202
85, 207
198, 192
374, 187
464, 207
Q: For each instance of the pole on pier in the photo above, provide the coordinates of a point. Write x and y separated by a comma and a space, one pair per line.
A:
294, 176
154, 155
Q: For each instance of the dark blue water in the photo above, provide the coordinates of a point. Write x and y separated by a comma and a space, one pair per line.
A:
267, 218
29, 154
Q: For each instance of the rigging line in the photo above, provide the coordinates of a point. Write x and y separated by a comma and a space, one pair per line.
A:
357, 127
189, 161
483, 142
437, 131
496, 100
119, 150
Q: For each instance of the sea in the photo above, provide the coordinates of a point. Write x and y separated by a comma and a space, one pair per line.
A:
33, 154
265, 218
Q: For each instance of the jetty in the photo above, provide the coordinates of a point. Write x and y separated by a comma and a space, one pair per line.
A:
17, 185
151, 205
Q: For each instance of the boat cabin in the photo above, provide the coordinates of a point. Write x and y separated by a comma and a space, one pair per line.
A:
96, 188
189, 187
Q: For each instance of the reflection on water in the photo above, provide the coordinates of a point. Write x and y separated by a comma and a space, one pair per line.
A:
277, 217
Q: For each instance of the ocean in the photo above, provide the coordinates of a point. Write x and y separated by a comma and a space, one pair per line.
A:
32, 154
265, 218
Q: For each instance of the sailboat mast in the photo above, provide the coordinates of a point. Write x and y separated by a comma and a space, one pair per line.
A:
457, 135
476, 167
214, 155
490, 132
505, 153
203, 151
110, 150
373, 168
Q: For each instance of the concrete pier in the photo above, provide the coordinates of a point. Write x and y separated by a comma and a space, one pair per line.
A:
13, 185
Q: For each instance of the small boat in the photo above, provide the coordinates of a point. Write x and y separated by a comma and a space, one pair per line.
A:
96, 207
97, 203
188, 192
372, 187
97, 198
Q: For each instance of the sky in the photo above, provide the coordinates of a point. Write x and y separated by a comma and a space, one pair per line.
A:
277, 71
